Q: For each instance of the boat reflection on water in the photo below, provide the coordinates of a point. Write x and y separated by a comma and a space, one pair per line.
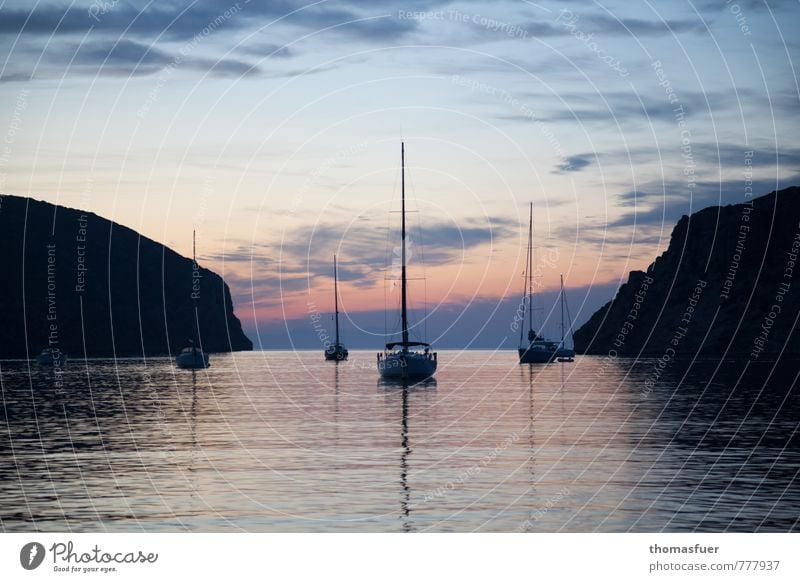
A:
405, 498
532, 491
405, 389
336, 403
400, 384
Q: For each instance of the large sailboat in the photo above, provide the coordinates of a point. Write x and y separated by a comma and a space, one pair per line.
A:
537, 350
336, 351
405, 359
192, 356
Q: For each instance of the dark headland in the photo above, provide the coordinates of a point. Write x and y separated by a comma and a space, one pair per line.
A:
100, 289
728, 285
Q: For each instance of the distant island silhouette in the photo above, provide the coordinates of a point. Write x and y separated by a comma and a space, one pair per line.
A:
729, 284
94, 288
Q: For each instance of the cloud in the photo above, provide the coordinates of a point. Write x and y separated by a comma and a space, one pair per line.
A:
722, 157
292, 73
786, 103
746, 5
122, 51
365, 249
267, 50
714, 158
15, 77
121, 37
629, 107
574, 163
619, 113
378, 28
607, 25
132, 58
367, 253
243, 252
638, 27
666, 203
727, 155
224, 67
177, 22
464, 237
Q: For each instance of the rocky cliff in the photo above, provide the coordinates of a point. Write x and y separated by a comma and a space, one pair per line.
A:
99, 289
728, 284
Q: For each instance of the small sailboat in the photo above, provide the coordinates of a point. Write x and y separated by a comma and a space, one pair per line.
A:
192, 357
565, 354
51, 357
538, 350
405, 359
336, 351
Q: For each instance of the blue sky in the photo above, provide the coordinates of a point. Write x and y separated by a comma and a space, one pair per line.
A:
273, 128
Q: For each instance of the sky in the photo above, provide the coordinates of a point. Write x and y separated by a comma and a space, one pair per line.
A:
273, 129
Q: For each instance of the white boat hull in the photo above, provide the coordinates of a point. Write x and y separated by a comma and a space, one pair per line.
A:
406, 365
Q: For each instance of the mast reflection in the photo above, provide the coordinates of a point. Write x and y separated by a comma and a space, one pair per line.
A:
405, 390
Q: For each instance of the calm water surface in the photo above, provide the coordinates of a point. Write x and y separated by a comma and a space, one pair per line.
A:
283, 441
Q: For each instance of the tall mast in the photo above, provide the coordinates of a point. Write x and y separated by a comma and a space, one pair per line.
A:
336, 297
530, 269
562, 310
195, 331
403, 308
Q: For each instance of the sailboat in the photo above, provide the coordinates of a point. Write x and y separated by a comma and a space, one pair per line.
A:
565, 354
405, 359
538, 350
336, 351
192, 357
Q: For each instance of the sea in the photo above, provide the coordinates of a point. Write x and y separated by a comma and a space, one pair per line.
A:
287, 442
